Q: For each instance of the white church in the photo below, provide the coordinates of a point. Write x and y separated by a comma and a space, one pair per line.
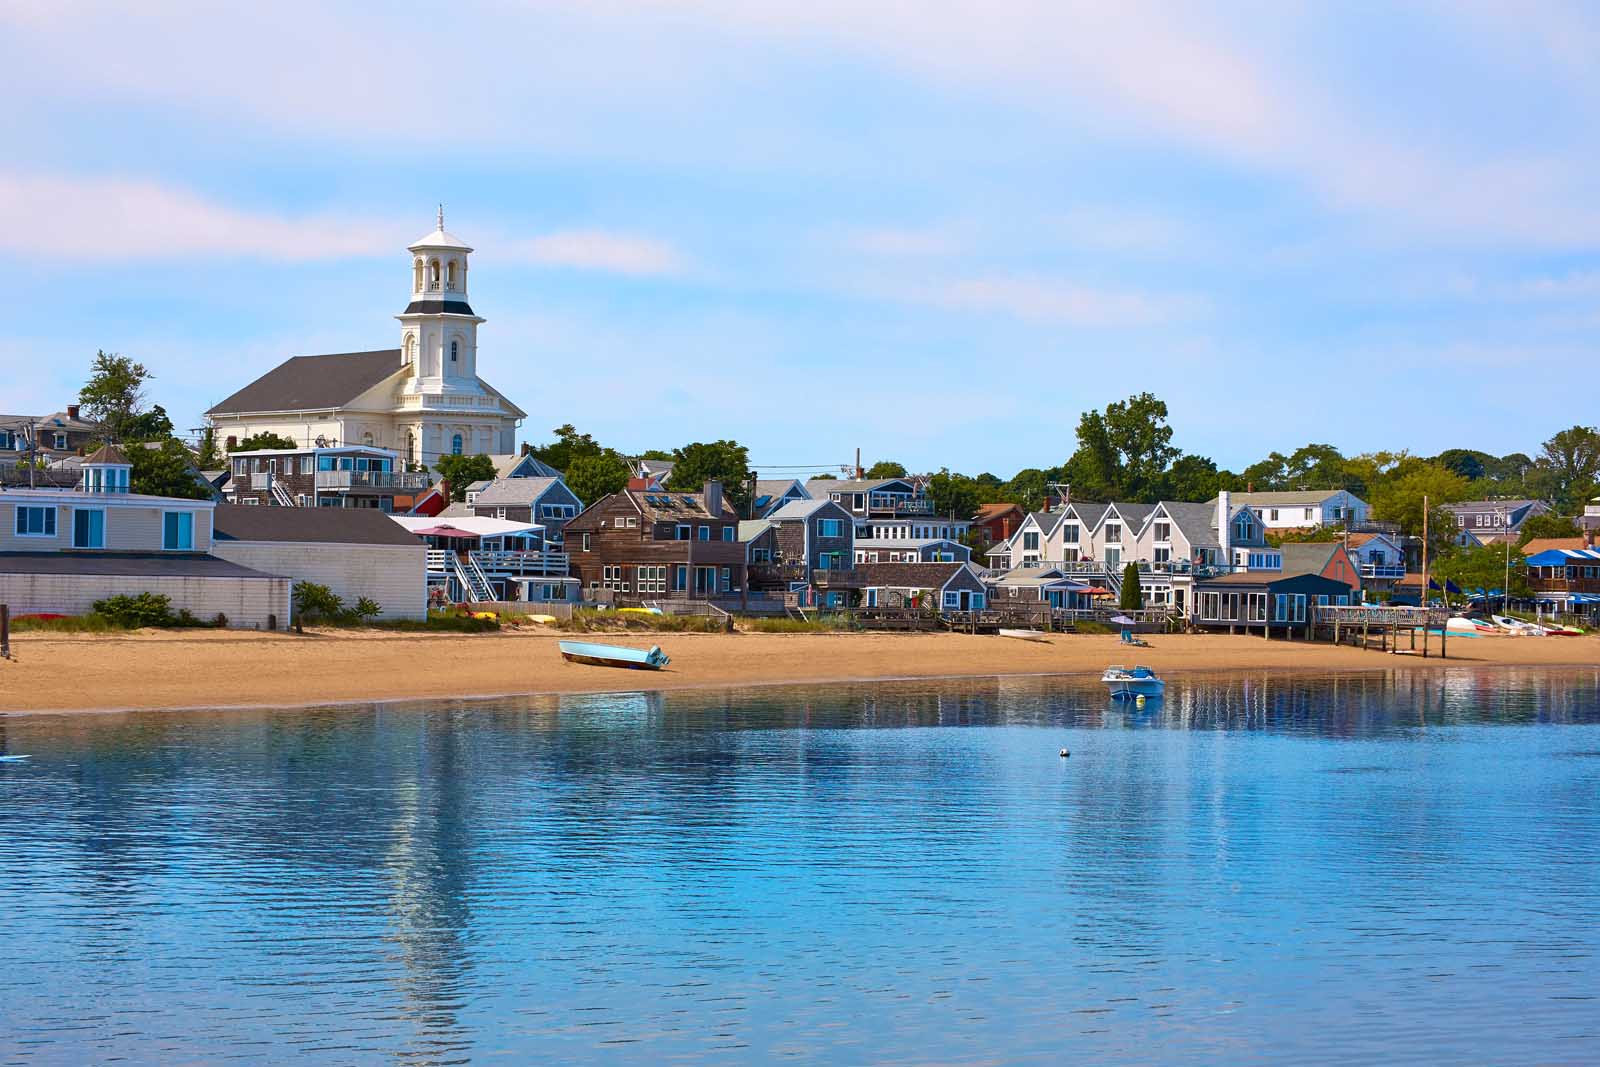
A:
423, 399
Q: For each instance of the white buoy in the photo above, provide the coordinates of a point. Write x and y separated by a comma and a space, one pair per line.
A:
1065, 753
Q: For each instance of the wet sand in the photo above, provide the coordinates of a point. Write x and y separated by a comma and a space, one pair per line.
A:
190, 669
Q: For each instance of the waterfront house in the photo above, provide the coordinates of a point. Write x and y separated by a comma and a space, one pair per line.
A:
1306, 510
1380, 558
474, 559
1040, 584
640, 544
1566, 580
1328, 559
1491, 521
63, 549
1249, 600
940, 586
889, 508
421, 400
914, 550
354, 476
798, 546
355, 552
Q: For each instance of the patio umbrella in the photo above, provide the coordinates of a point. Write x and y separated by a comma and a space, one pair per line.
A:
1098, 592
443, 531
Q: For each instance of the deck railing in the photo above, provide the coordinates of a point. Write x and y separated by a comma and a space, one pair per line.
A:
372, 480
1383, 570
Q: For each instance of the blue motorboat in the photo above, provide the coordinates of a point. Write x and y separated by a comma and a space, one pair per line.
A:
636, 659
1130, 683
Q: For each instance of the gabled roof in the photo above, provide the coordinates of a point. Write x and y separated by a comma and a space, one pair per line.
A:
513, 492
1088, 512
531, 467
795, 510
1197, 522
346, 526
1537, 545
906, 575
1132, 514
862, 485
305, 382
1308, 557
987, 512
660, 505
777, 486
107, 454
750, 529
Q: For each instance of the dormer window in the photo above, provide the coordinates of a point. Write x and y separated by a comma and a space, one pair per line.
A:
1244, 529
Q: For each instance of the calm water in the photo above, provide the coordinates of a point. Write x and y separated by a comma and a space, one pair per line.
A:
1348, 869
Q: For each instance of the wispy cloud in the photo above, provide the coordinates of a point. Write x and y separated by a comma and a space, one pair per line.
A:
114, 219
599, 250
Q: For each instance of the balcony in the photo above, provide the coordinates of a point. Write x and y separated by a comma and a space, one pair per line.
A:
522, 564
898, 507
1383, 570
375, 480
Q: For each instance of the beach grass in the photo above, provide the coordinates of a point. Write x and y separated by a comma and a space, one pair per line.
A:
782, 624
589, 621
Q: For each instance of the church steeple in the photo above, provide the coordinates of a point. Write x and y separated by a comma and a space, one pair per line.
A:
439, 331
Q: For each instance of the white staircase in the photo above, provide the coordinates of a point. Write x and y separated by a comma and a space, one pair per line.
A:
281, 496
472, 579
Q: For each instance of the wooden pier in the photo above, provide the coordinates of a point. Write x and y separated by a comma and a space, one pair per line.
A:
1359, 624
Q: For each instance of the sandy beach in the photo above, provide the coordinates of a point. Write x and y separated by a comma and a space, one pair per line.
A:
189, 669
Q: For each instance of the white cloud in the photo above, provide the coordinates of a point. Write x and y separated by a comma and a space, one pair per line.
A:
598, 250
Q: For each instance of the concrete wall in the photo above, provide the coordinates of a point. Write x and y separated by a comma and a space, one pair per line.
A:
396, 576
245, 601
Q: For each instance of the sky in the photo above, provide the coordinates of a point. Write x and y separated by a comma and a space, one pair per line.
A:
934, 231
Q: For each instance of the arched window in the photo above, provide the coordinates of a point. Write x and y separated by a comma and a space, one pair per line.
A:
411, 339
433, 274
452, 275
416, 271
411, 446
455, 349
455, 445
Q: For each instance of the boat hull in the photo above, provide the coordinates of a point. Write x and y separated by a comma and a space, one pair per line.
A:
632, 659
1130, 690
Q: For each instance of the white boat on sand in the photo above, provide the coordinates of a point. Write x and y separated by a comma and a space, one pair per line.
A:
1127, 683
1023, 635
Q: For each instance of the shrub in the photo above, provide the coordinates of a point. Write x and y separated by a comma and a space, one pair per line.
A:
440, 621
782, 624
366, 609
316, 603
586, 620
146, 609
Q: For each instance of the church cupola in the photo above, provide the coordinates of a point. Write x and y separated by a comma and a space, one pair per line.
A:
439, 331
106, 470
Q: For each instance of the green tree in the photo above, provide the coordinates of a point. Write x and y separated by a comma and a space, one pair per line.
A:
1191, 478
1483, 567
152, 425
461, 471
1123, 453
1132, 597
1267, 475
1568, 466
1400, 500
569, 445
264, 441
1029, 489
953, 495
165, 469
1469, 463
592, 477
727, 462
886, 468
114, 394
1548, 525
210, 457
1316, 467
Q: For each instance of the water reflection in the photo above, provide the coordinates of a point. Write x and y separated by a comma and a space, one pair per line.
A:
1359, 867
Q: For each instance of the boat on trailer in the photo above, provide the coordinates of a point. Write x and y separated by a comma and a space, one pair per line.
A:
1129, 683
636, 659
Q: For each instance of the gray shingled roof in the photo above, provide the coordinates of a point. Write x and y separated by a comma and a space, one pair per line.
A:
1307, 557
513, 492
306, 382
345, 526
795, 510
905, 575
1197, 522
840, 485
1289, 498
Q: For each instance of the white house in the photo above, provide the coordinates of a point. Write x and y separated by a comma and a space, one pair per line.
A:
1307, 510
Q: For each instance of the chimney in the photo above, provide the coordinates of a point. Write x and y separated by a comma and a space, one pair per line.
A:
1588, 537
72, 411
714, 498
1224, 530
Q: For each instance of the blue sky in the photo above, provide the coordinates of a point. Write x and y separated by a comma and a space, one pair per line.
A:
936, 231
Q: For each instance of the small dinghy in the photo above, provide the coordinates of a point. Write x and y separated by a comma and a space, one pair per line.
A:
1023, 635
636, 659
1127, 683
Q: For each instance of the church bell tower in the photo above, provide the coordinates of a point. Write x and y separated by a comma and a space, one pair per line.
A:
438, 329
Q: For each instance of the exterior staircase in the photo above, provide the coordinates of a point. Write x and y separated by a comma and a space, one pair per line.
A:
280, 495
472, 579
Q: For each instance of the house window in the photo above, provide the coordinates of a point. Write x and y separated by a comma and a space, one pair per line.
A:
61, 440
1162, 555
455, 445
455, 349
36, 521
727, 579
586, 542
727, 533
705, 533
177, 531
653, 579
680, 578
1210, 605
88, 528
1309, 512
1163, 531
1114, 532
1030, 541
828, 528
630, 522
1069, 533
499, 513
1244, 529
952, 599
1272, 514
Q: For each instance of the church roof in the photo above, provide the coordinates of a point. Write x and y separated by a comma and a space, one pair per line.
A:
306, 382
439, 238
